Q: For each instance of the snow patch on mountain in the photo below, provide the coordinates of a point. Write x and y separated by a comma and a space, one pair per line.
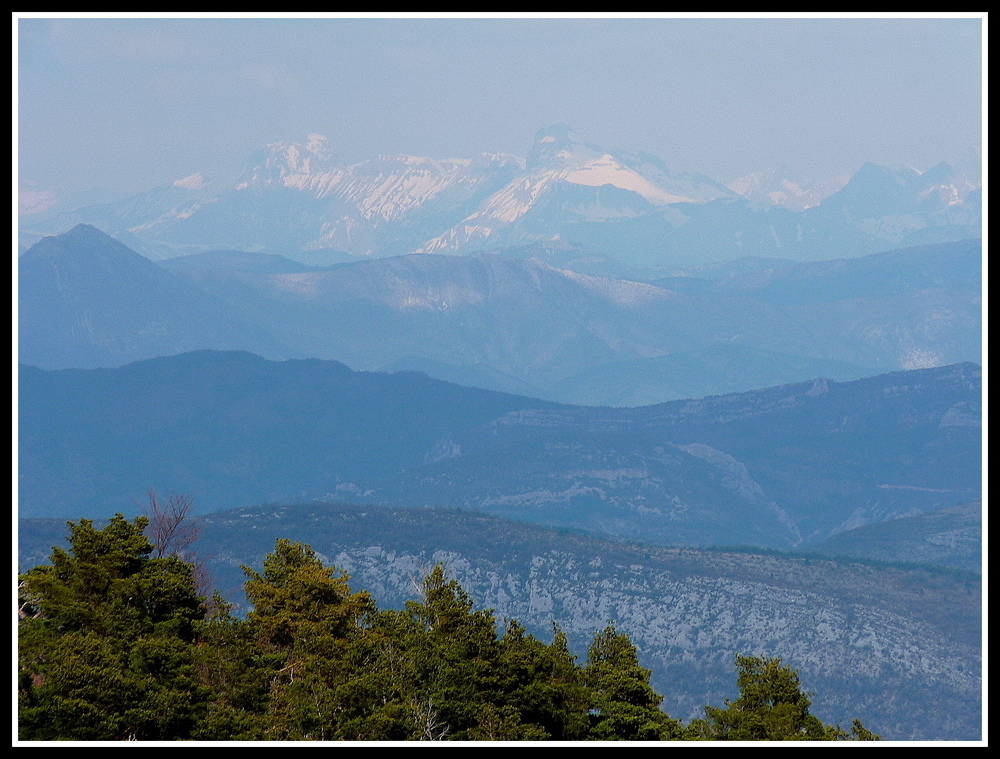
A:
193, 182
777, 186
620, 291
606, 170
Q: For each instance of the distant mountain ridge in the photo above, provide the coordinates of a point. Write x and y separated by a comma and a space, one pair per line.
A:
781, 467
952, 537
86, 300
296, 199
508, 320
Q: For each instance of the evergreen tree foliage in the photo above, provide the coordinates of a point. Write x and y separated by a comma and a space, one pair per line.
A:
306, 614
543, 685
624, 705
771, 707
117, 645
456, 655
104, 645
238, 671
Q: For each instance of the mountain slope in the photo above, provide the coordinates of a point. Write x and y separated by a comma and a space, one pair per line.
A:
229, 427
774, 467
607, 341
86, 300
508, 322
950, 537
298, 200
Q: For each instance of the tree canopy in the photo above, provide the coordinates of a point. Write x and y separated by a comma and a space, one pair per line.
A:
116, 644
106, 640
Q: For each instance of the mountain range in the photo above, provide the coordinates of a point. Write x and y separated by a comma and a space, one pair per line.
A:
416, 350
510, 322
781, 467
298, 200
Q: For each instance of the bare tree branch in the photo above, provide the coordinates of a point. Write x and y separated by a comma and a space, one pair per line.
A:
171, 528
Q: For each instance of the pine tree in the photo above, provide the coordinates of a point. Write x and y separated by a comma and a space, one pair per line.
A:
238, 670
307, 617
105, 640
455, 653
624, 704
543, 684
771, 707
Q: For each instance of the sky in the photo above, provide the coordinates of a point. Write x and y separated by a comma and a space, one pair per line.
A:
127, 104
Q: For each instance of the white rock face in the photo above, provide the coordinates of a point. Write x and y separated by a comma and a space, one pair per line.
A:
698, 622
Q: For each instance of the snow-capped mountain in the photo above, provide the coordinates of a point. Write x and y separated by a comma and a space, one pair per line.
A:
298, 196
360, 205
299, 200
566, 182
782, 187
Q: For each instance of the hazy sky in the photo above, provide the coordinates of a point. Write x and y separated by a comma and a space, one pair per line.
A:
128, 104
